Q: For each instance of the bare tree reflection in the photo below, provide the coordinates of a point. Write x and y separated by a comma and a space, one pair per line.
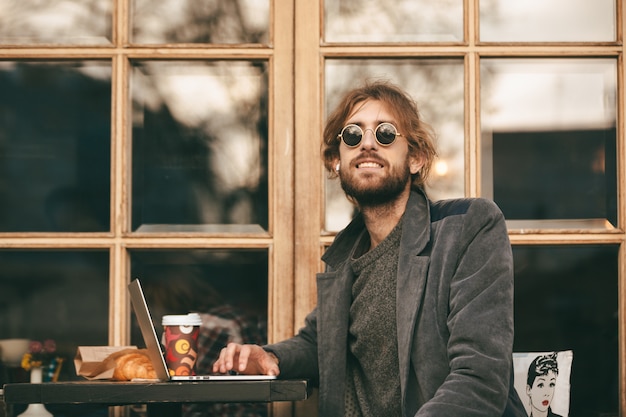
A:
190, 21
200, 143
399, 21
55, 21
79, 22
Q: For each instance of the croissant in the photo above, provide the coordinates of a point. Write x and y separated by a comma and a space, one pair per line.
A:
133, 365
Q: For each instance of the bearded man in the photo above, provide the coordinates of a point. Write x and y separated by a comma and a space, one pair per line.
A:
415, 308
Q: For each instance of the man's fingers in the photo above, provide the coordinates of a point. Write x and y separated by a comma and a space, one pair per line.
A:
219, 365
248, 359
244, 354
233, 356
226, 359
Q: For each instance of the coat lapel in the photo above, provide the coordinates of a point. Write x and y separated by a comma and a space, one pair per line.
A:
413, 264
334, 294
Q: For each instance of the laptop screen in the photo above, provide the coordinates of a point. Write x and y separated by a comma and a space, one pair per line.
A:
147, 329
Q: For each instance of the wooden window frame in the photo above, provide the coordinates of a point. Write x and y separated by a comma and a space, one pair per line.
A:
309, 88
120, 240
296, 56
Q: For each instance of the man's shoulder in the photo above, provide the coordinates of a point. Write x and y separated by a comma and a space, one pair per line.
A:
461, 206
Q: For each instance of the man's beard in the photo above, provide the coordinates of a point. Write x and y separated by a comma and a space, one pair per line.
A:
383, 191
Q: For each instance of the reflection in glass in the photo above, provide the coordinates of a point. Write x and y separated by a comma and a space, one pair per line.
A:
566, 298
55, 295
229, 290
192, 21
549, 139
55, 140
180, 281
437, 87
200, 143
399, 21
56, 22
547, 21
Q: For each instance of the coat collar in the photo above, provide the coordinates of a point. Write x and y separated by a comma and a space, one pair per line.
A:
415, 231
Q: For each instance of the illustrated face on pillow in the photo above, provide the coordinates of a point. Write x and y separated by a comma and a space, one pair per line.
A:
541, 381
542, 391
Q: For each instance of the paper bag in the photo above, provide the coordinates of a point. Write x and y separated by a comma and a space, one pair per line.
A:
98, 362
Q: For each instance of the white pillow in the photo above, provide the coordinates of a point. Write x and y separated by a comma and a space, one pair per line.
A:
560, 399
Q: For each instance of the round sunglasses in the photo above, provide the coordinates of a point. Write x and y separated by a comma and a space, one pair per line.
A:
385, 133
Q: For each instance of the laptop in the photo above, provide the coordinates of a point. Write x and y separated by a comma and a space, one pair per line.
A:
153, 345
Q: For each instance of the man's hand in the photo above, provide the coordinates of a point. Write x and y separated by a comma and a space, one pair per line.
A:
246, 359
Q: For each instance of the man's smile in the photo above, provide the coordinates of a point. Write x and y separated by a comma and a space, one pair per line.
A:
368, 164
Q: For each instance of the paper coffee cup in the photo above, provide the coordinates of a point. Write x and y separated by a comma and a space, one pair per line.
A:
180, 339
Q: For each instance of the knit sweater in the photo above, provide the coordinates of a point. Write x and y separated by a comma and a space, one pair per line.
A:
373, 381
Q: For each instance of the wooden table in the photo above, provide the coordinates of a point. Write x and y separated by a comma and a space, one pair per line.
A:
125, 393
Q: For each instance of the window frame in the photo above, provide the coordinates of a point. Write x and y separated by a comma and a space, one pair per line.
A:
295, 239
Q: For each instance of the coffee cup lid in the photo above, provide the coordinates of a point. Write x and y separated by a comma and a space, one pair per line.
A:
191, 319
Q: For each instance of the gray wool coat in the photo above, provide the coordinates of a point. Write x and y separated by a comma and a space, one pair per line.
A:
454, 314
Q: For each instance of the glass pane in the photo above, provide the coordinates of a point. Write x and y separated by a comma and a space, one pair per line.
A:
227, 287
56, 22
566, 297
55, 295
437, 87
393, 21
193, 21
200, 133
547, 21
55, 140
549, 141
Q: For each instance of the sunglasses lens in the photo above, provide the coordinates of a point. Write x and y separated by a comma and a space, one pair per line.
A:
351, 135
386, 133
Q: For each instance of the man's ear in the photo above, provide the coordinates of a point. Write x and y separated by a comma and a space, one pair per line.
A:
415, 164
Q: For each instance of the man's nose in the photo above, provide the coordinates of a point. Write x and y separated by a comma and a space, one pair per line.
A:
369, 139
